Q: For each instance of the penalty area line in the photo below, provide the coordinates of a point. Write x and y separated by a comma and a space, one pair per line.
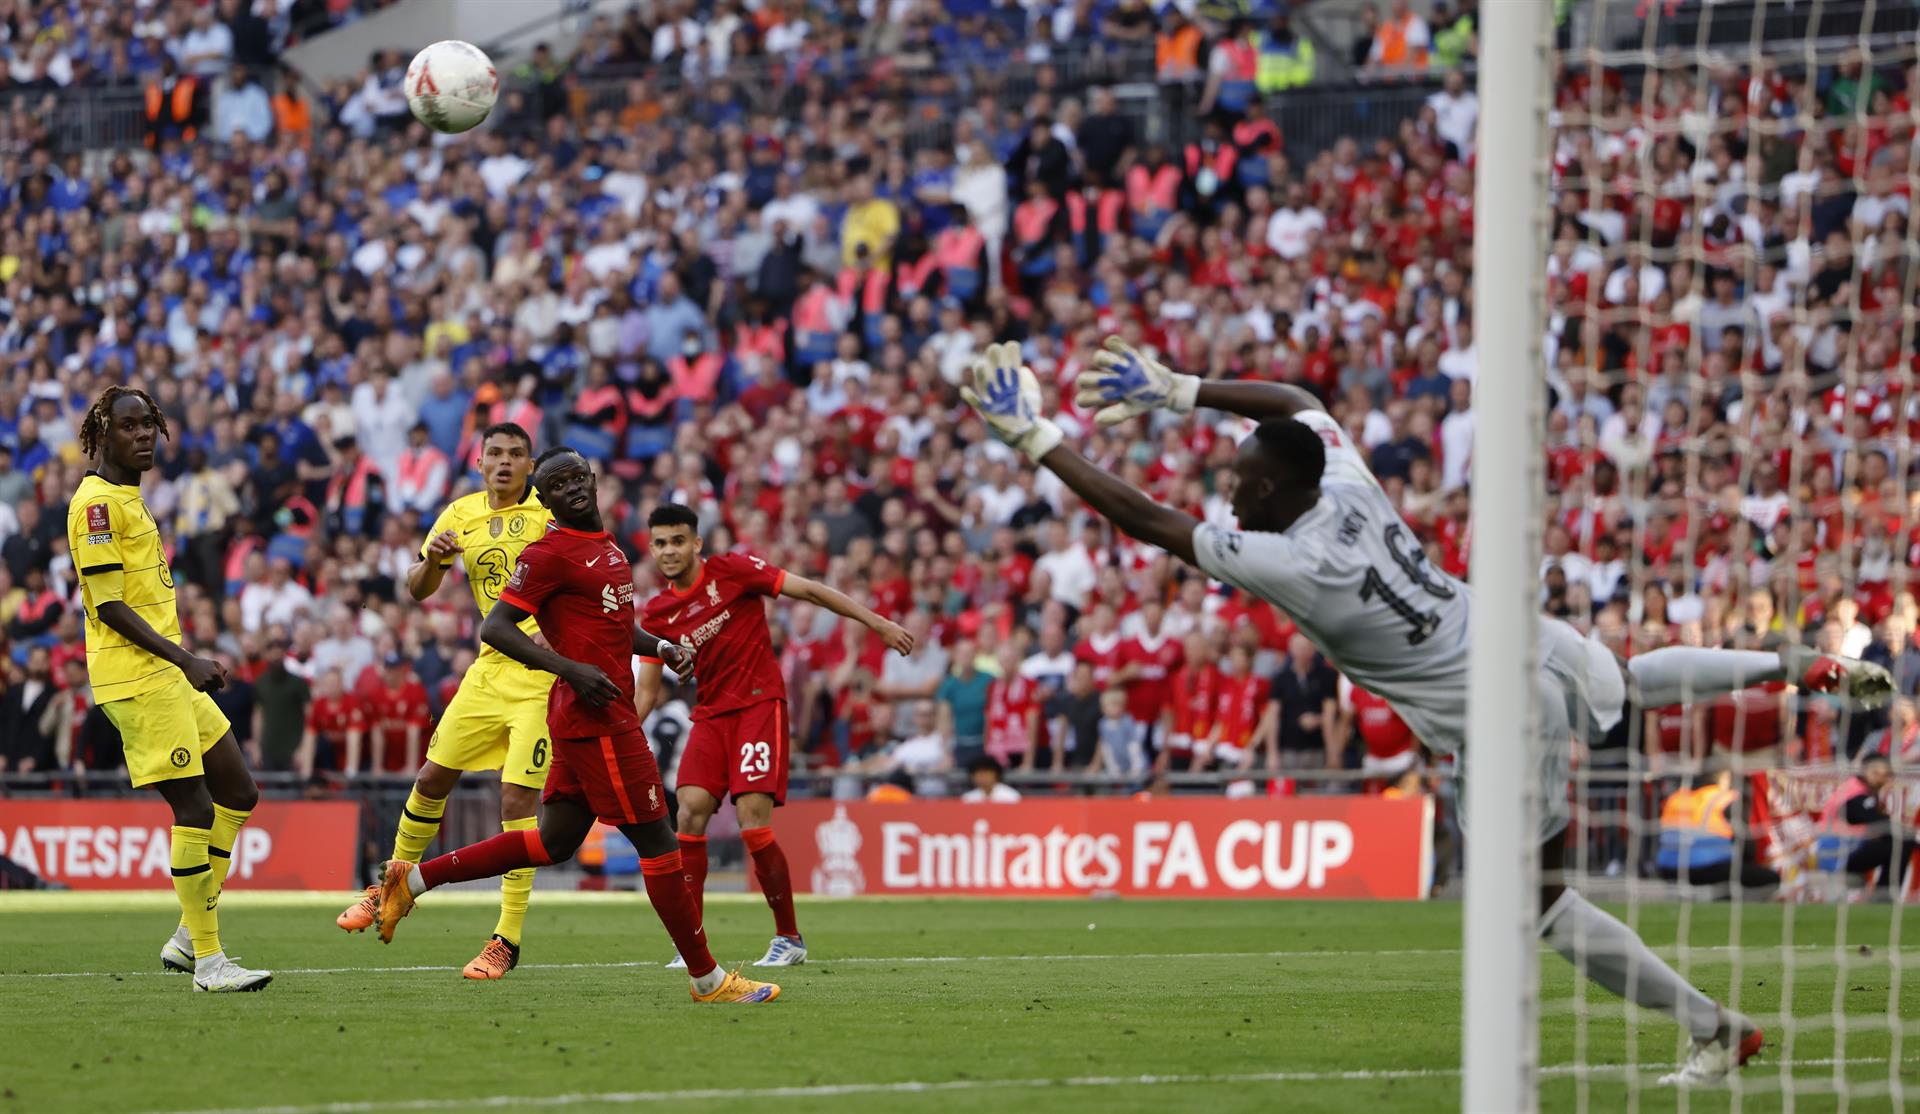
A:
916, 1087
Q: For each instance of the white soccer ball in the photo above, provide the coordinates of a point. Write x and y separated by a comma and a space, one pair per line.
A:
451, 86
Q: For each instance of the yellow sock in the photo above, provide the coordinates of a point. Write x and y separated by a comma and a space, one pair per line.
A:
194, 885
515, 886
227, 823
419, 823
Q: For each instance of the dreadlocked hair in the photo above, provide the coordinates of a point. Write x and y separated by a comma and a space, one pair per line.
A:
93, 427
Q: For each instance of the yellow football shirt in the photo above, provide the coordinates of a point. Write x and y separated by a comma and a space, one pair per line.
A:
490, 545
116, 549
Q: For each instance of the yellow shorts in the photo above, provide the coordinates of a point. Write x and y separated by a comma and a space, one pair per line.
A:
497, 721
164, 732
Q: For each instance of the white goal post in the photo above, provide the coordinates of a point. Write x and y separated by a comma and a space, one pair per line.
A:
1500, 970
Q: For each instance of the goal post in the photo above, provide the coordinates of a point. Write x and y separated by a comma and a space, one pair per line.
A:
1500, 969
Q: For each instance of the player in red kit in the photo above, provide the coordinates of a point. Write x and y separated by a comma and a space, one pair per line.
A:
579, 585
738, 743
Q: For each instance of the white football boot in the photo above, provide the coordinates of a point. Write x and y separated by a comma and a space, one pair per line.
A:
176, 955
1711, 1061
784, 951
219, 975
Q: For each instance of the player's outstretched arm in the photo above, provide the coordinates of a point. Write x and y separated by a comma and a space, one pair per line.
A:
1125, 505
1006, 395
813, 592
501, 630
1125, 383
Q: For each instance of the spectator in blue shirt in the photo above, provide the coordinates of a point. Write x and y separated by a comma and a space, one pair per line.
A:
242, 106
670, 318
72, 190
444, 411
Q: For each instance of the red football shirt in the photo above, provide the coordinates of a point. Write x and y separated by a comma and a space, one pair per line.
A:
331, 717
580, 586
723, 621
1191, 693
1152, 684
1238, 705
1385, 734
1010, 704
1103, 653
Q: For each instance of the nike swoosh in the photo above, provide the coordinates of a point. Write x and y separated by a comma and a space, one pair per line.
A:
755, 777
593, 562
535, 770
673, 618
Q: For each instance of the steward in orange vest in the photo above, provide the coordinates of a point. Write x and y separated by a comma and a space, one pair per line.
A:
176, 105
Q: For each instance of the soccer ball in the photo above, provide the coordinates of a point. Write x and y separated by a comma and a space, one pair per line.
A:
451, 86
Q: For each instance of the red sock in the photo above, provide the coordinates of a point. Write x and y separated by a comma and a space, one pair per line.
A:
490, 857
693, 857
770, 867
673, 903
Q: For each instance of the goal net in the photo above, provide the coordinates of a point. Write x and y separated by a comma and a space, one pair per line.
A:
1720, 453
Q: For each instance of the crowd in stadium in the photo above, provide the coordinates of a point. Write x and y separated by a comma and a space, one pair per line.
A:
766, 317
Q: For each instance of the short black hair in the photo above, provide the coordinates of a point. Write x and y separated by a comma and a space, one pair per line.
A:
673, 514
1294, 445
557, 450
511, 429
986, 762
1876, 760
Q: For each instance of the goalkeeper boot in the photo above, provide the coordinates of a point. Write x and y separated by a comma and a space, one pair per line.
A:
495, 960
359, 916
1867, 684
1711, 1061
394, 899
176, 955
784, 951
738, 988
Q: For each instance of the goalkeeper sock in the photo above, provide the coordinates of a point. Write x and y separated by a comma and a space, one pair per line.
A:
693, 857
515, 887
193, 884
770, 868
227, 823
419, 823
1609, 953
1680, 673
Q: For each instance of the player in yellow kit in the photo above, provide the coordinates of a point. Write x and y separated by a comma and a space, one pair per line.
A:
150, 687
498, 718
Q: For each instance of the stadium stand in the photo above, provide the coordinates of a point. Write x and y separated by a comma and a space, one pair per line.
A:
741, 254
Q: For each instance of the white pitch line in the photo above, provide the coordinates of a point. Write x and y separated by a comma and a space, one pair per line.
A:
915, 1087
1820, 955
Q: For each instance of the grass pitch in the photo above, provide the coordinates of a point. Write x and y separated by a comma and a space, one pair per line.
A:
911, 1006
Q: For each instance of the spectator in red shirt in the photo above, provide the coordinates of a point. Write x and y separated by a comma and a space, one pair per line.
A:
396, 714
1101, 646
336, 727
1149, 661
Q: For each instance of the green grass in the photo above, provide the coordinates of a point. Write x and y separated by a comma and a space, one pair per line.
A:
1257, 1006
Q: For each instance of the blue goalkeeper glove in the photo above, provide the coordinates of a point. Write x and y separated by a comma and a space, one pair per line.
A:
1126, 383
1006, 395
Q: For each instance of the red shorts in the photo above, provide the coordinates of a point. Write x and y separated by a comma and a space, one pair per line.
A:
739, 752
614, 775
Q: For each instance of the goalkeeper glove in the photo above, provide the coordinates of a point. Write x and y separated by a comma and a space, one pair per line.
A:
1127, 383
1007, 397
